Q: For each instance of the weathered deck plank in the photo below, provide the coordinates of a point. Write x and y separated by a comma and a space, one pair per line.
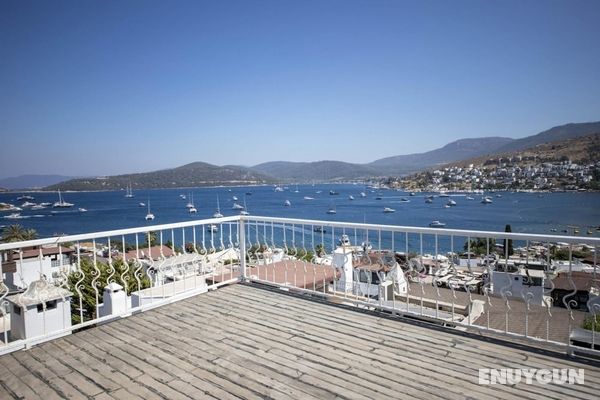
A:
245, 342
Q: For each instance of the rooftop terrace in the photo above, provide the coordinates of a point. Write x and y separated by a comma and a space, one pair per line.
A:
244, 341
260, 307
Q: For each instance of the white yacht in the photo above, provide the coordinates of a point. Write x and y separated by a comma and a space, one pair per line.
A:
217, 213
245, 210
14, 216
191, 207
149, 216
129, 191
61, 203
437, 224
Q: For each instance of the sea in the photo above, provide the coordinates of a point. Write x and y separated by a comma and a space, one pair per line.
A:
544, 213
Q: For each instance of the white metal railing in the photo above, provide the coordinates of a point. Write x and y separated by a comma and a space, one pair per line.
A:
462, 278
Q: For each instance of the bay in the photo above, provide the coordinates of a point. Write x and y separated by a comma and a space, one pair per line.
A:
525, 212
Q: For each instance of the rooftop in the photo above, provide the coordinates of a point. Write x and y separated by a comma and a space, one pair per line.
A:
249, 341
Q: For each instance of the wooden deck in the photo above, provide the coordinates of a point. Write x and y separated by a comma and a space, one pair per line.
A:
247, 342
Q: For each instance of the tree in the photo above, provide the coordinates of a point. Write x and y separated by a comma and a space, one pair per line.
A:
17, 233
508, 243
479, 246
82, 283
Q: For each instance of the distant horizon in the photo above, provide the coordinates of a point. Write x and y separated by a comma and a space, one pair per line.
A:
270, 161
103, 88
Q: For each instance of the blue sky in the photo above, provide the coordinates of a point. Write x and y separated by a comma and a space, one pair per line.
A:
107, 87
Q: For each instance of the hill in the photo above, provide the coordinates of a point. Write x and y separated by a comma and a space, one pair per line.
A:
316, 171
580, 150
32, 181
189, 175
562, 132
454, 151
571, 164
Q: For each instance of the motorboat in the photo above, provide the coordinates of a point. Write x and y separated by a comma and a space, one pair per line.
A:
428, 200
411, 194
27, 204
333, 192
38, 207
234, 198
192, 210
141, 204
451, 203
363, 194
287, 203
470, 198
237, 206
25, 197
350, 197
486, 200
331, 210
436, 224
388, 210
14, 216
308, 198
81, 209
404, 200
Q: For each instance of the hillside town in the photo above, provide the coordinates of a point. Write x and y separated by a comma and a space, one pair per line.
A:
507, 173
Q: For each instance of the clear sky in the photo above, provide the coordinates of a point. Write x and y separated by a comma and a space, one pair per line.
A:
107, 87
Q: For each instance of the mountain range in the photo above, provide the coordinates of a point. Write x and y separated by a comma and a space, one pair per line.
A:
204, 174
406, 164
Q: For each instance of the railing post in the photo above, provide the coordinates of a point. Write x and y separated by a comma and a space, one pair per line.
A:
242, 244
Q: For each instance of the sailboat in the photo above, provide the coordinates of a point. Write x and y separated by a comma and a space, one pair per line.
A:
190, 203
192, 209
61, 203
129, 191
331, 209
149, 216
245, 210
218, 214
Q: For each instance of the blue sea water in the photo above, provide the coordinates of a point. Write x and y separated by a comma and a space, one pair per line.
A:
525, 212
